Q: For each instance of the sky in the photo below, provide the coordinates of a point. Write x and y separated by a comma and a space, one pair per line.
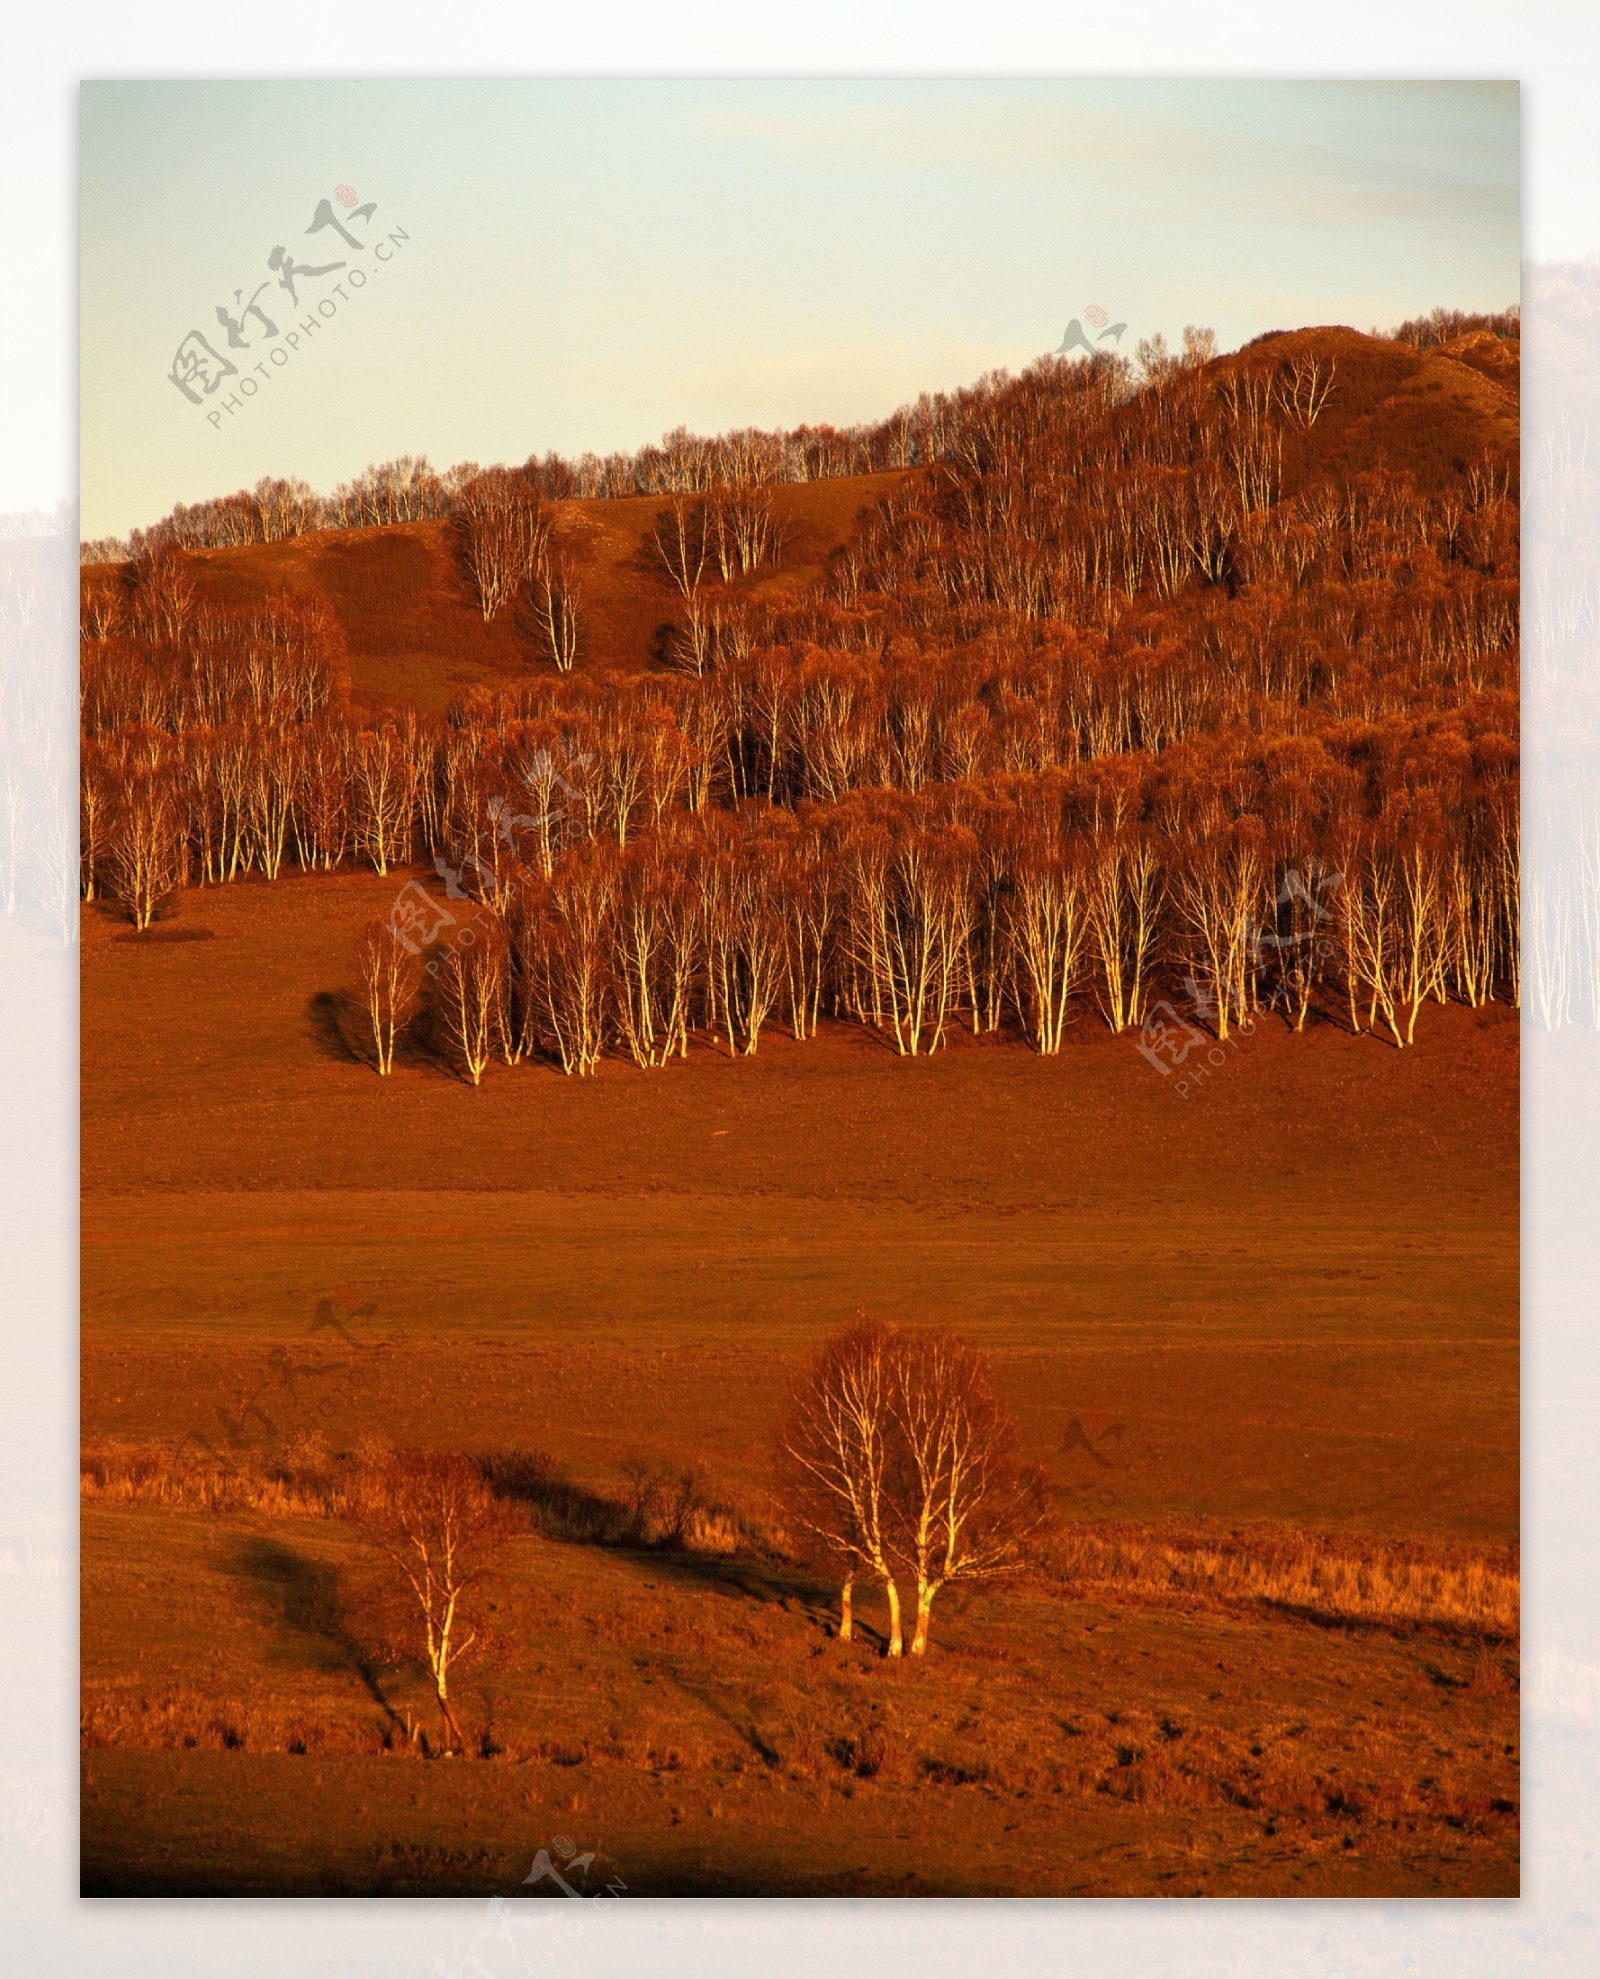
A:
584, 265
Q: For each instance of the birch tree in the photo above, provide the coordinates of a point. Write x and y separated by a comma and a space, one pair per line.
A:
391, 976
504, 531
440, 1526
962, 1508
833, 1461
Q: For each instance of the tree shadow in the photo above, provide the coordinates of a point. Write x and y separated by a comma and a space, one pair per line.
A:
575, 1515
310, 1612
556, 1508
739, 1577
328, 1016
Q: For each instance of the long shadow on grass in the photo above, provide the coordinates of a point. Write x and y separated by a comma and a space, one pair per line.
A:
328, 1014
734, 1575
310, 1610
576, 1516
338, 1028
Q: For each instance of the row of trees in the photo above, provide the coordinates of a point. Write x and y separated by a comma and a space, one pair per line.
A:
808, 700
1073, 505
792, 717
1016, 911
253, 778
1443, 326
1078, 711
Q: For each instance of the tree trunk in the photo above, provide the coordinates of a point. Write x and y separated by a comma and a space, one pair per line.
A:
919, 1641
846, 1610
457, 1739
895, 1640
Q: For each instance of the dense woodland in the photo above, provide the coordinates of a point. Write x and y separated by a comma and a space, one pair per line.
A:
1197, 684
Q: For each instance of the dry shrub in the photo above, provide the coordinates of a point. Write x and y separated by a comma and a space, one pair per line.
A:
1341, 1579
660, 1505
645, 1746
300, 1480
871, 1752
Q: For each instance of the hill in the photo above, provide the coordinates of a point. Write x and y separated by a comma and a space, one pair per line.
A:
414, 634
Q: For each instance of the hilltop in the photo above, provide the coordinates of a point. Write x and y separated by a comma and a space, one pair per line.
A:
414, 633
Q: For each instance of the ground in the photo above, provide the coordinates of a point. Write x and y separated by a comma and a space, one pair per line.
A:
1279, 1308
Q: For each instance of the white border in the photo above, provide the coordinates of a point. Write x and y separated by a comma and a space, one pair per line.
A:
43, 1927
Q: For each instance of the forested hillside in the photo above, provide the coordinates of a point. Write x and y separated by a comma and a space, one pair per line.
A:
1072, 693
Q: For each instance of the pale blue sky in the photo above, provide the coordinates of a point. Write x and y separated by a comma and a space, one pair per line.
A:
592, 263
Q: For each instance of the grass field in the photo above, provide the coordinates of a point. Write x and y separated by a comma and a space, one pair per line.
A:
1264, 1338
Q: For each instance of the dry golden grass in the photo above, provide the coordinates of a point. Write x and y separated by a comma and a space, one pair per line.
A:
1342, 1579
1328, 1577
1167, 1709
305, 1481
639, 1693
653, 1506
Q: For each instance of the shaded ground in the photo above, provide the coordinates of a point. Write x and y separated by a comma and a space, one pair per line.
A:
695, 1727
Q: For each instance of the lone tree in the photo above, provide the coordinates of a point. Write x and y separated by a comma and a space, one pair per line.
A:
831, 1457
440, 1526
895, 1457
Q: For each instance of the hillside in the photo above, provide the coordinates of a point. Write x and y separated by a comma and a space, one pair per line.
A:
411, 624
414, 633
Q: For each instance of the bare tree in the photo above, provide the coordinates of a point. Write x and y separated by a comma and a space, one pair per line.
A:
1156, 363
470, 982
557, 596
440, 1526
162, 594
654, 932
832, 1462
146, 849
100, 612
679, 541
1304, 387
504, 532
1125, 895
1218, 893
561, 951
96, 785
1047, 929
962, 1507
743, 932
391, 975
382, 786
1199, 346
